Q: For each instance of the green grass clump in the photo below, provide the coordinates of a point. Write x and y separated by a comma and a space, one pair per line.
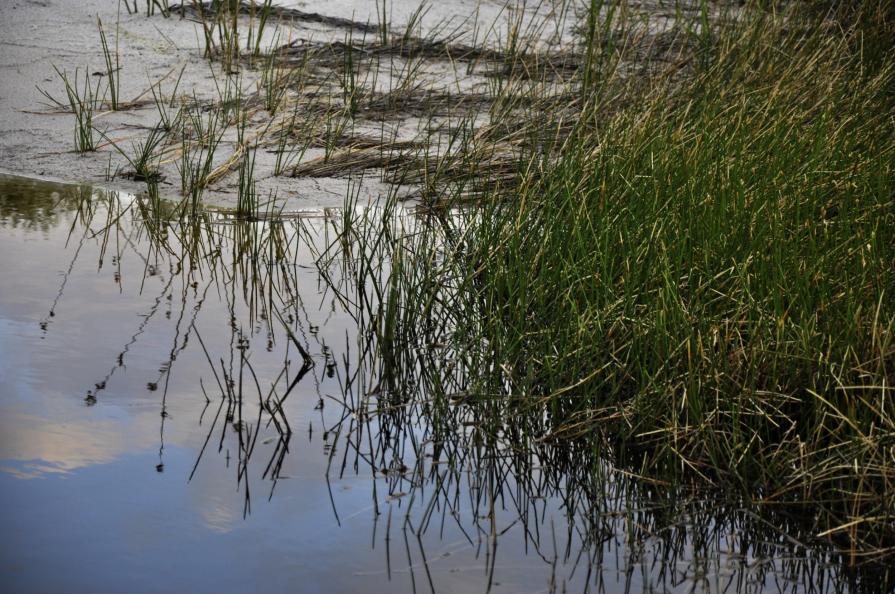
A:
82, 103
706, 273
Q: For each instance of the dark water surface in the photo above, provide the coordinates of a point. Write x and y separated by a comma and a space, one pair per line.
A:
195, 408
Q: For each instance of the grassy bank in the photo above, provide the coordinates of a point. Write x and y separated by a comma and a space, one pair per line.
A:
701, 280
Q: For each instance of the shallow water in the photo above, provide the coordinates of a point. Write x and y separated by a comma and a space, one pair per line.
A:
179, 412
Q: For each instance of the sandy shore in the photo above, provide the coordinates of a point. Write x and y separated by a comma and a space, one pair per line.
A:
36, 138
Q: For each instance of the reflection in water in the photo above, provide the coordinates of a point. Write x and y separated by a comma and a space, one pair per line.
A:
199, 365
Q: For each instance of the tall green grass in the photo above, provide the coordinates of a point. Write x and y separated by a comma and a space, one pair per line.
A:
700, 278
706, 274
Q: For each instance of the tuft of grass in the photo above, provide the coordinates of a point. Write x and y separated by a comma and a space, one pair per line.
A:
80, 101
200, 138
113, 65
247, 193
258, 20
168, 118
275, 83
144, 157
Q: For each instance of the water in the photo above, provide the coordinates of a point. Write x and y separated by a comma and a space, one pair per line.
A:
202, 408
